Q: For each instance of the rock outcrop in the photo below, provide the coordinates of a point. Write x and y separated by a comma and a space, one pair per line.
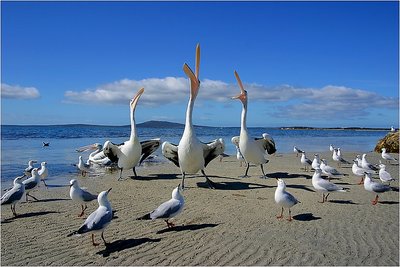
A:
390, 142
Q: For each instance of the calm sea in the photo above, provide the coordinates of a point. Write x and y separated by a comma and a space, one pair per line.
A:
19, 144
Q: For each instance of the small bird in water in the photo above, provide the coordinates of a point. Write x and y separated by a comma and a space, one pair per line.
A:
46, 144
284, 198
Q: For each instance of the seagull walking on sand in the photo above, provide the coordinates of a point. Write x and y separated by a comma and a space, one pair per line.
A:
359, 171
366, 165
337, 156
328, 170
297, 151
83, 167
284, 198
324, 186
43, 172
387, 156
168, 209
97, 220
384, 175
31, 183
316, 162
374, 187
80, 195
305, 161
14, 195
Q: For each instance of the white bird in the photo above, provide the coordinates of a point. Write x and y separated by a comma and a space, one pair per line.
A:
254, 150
297, 151
384, 175
30, 167
83, 167
14, 195
97, 220
305, 161
324, 186
43, 172
359, 171
328, 170
31, 183
359, 160
387, 156
331, 147
374, 187
168, 209
336, 156
79, 195
239, 156
316, 162
392, 129
132, 152
97, 156
366, 165
191, 155
284, 198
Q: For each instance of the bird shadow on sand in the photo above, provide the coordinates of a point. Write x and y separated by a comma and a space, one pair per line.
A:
233, 185
297, 186
155, 177
305, 217
28, 215
57, 185
285, 175
120, 245
190, 227
342, 202
388, 202
50, 200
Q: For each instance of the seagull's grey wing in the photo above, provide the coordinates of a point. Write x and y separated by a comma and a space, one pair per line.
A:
87, 196
329, 186
148, 147
170, 151
332, 170
166, 209
212, 150
96, 221
29, 183
308, 161
380, 188
386, 176
11, 196
267, 143
291, 198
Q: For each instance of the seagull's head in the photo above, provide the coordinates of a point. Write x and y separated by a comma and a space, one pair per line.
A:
44, 163
18, 180
73, 182
102, 197
280, 183
176, 193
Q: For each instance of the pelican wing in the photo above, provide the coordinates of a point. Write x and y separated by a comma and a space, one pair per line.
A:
170, 151
111, 153
166, 209
148, 147
212, 150
267, 143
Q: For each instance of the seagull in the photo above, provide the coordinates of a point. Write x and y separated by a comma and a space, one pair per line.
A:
30, 167
14, 195
83, 167
336, 156
46, 144
131, 152
331, 147
316, 162
384, 175
328, 170
359, 171
297, 151
324, 186
387, 156
305, 161
31, 183
97, 220
239, 156
366, 165
374, 187
359, 160
43, 172
191, 155
77, 194
168, 209
284, 198
254, 150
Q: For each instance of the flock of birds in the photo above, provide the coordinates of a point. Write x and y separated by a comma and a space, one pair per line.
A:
190, 156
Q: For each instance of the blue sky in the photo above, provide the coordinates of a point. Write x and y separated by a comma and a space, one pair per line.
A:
322, 64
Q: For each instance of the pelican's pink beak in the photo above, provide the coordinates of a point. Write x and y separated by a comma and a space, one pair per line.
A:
194, 78
135, 99
243, 93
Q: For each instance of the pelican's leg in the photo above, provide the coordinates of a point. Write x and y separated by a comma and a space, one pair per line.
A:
102, 237
183, 181
247, 169
210, 183
262, 169
375, 201
120, 174
134, 172
280, 216
94, 243
13, 210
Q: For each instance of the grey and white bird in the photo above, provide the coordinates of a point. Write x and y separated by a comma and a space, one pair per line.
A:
329, 170
43, 172
168, 209
306, 162
359, 171
83, 166
324, 186
30, 167
331, 148
337, 156
387, 156
31, 183
239, 156
284, 198
316, 162
384, 175
374, 187
366, 165
97, 220
297, 151
359, 160
80, 195
14, 195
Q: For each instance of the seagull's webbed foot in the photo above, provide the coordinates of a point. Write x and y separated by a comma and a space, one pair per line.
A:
375, 201
361, 181
169, 224
94, 243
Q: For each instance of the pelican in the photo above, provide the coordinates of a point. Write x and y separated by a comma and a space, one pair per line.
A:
131, 152
254, 150
14, 195
191, 155
30, 167
97, 156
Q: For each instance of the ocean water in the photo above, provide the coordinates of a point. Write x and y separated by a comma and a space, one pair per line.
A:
19, 144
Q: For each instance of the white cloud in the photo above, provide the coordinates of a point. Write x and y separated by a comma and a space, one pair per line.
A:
336, 101
18, 92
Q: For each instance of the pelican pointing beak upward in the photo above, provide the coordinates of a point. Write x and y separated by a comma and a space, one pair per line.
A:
194, 78
243, 93
136, 98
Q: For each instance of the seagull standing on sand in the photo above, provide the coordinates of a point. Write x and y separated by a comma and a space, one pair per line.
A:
331, 148
374, 187
305, 161
168, 209
284, 198
30, 167
328, 170
239, 156
191, 155
83, 167
387, 156
384, 176
43, 172
359, 171
316, 162
336, 156
254, 150
97, 220
324, 186
297, 151
366, 165
14, 195
79, 195
131, 152
31, 183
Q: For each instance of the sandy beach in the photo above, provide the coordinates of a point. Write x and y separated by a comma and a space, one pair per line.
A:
234, 224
